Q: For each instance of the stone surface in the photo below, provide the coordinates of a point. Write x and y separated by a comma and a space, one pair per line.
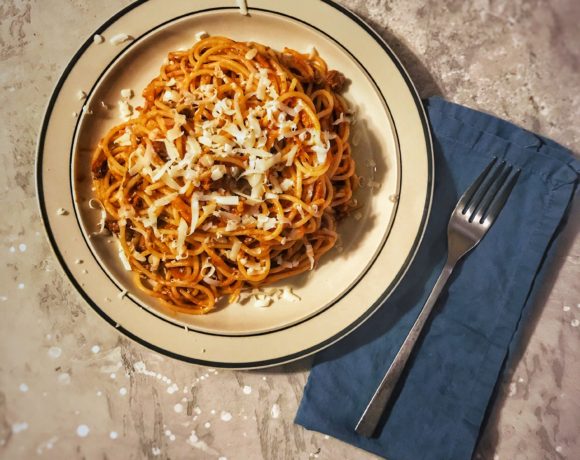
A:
71, 387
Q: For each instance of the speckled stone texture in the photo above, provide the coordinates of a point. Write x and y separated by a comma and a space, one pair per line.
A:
71, 387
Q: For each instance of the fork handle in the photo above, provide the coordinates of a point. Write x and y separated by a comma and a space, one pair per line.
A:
369, 420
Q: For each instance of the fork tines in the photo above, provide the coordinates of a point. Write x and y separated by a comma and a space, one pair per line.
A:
485, 198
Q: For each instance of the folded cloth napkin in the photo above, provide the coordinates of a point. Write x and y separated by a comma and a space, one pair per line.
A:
438, 412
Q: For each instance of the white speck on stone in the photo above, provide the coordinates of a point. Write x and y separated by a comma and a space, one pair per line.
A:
566, 308
64, 378
212, 412
225, 416
83, 431
223, 458
575, 323
123, 391
156, 451
558, 449
78, 261
192, 438
172, 388
54, 352
496, 457
197, 410
3, 298
47, 445
22, 247
207, 424
113, 376
12, 249
95, 349
513, 389
178, 408
23, 387
20, 285
326, 436
99, 393
98, 39
113, 435
172, 437
247, 389
275, 412
18, 427
81, 95
62, 211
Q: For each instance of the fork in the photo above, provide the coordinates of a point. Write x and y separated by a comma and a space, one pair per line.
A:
474, 214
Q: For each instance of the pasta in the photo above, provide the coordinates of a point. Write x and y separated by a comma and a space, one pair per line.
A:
231, 176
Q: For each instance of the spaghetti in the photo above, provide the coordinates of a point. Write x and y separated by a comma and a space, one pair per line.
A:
232, 175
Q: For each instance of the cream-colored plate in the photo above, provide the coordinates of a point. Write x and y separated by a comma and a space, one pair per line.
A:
392, 148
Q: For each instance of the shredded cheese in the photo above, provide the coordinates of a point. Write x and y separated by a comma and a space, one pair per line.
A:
125, 110
194, 213
310, 254
201, 35
123, 256
236, 246
127, 93
289, 296
181, 234
243, 7
120, 38
96, 204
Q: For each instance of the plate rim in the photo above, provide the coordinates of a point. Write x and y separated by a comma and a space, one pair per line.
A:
386, 292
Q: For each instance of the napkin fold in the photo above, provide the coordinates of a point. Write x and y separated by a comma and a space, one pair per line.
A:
439, 409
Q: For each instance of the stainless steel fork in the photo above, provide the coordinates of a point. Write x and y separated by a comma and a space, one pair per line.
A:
474, 214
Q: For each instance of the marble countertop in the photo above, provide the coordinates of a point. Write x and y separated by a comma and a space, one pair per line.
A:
68, 388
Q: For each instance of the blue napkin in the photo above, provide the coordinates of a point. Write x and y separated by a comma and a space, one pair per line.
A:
449, 381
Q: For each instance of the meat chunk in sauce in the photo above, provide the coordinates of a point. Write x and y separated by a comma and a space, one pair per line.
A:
100, 169
335, 80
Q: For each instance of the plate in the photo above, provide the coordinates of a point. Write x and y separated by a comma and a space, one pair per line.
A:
391, 145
